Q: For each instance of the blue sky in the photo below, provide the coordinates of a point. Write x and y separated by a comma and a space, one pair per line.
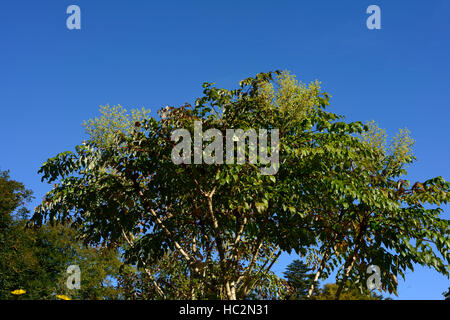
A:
152, 54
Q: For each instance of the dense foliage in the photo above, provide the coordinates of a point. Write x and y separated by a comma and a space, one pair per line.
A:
201, 231
36, 260
299, 278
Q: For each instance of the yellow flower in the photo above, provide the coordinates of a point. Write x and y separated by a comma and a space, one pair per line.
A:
62, 297
18, 292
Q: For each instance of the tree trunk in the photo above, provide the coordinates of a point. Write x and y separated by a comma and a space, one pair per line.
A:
352, 258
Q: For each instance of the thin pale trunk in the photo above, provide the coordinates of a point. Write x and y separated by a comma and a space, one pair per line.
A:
149, 274
352, 258
166, 231
219, 245
318, 273
344, 279
322, 266
251, 285
229, 291
259, 241
233, 290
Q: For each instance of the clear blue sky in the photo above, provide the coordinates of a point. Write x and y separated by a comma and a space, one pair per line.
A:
152, 54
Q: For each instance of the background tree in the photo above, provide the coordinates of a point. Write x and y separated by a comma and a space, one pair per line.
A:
13, 198
299, 279
328, 292
36, 260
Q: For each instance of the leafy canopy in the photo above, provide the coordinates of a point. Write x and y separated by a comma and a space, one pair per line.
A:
337, 199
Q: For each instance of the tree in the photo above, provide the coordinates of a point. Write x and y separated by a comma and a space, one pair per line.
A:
36, 260
447, 294
328, 292
390, 224
13, 198
299, 279
336, 198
